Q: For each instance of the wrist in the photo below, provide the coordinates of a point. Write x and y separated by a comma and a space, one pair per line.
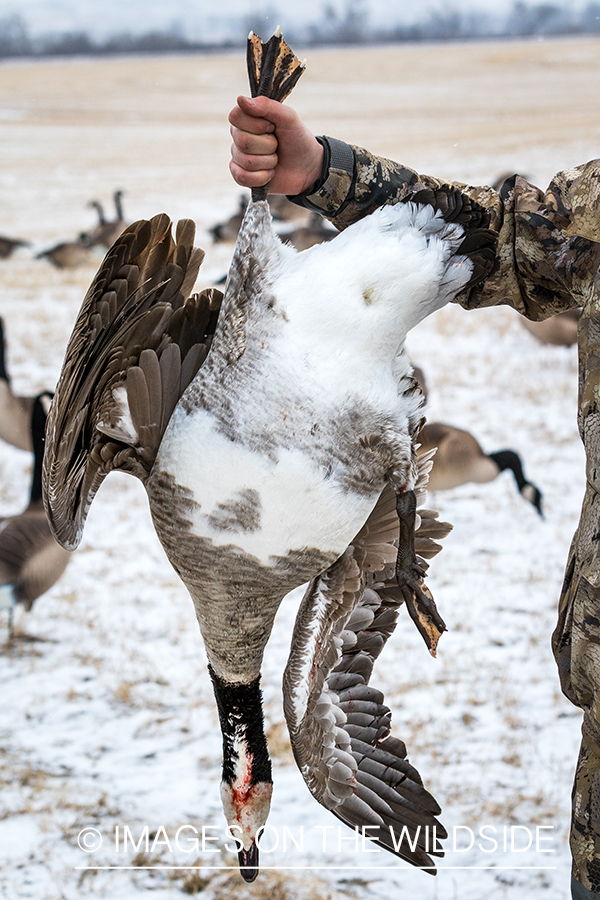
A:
319, 168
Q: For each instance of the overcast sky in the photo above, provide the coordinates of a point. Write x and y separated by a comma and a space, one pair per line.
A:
207, 18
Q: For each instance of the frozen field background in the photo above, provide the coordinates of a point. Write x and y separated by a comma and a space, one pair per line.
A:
109, 719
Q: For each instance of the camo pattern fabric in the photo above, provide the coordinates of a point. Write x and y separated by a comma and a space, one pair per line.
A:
548, 259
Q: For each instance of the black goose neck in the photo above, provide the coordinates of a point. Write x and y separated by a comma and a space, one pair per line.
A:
241, 718
3, 373
508, 459
38, 440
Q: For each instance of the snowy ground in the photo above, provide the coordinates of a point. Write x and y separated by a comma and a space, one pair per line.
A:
108, 719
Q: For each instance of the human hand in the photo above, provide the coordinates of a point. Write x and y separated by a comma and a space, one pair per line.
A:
272, 144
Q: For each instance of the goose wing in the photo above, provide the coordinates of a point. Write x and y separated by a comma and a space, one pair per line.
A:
339, 725
138, 341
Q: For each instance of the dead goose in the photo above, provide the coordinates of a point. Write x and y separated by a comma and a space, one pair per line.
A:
560, 330
31, 561
9, 245
277, 446
15, 412
106, 232
459, 459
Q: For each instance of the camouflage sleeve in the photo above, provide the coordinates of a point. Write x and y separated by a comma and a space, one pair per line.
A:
549, 243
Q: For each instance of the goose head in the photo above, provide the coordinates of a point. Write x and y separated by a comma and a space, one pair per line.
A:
246, 784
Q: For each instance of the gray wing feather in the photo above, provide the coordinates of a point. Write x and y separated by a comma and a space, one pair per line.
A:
339, 725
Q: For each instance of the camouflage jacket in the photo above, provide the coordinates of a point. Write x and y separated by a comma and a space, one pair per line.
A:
548, 258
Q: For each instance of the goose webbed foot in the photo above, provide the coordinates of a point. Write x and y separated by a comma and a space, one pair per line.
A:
410, 574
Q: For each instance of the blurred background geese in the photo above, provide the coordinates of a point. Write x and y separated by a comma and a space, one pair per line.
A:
69, 254
9, 245
15, 411
560, 329
460, 459
274, 430
31, 560
106, 231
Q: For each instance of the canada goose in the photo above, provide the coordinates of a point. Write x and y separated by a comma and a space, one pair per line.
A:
305, 236
106, 232
69, 254
31, 561
276, 444
459, 459
560, 329
9, 245
15, 412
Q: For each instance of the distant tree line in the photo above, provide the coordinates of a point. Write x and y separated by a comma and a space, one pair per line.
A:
350, 26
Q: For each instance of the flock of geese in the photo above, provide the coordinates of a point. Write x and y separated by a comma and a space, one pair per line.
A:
74, 253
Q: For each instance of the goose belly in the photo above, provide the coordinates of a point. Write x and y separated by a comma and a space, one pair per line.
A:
266, 504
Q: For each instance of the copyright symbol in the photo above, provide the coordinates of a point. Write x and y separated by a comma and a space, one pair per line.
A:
89, 839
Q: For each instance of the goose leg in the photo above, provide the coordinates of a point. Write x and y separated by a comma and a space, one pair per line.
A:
410, 573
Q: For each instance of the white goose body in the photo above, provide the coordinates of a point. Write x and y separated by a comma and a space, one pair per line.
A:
299, 434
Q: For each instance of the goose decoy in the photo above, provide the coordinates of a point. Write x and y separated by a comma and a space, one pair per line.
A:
15, 412
274, 429
69, 254
106, 232
9, 245
560, 330
459, 459
31, 560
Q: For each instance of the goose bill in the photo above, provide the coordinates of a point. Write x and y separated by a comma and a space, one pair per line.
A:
248, 860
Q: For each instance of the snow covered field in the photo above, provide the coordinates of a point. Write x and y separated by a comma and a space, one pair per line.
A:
108, 719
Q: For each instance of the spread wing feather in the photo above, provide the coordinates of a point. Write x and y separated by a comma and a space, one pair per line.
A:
339, 725
138, 341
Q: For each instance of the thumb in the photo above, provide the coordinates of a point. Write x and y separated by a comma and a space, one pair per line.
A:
263, 108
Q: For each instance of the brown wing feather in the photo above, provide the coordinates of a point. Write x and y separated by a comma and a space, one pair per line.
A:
138, 341
339, 726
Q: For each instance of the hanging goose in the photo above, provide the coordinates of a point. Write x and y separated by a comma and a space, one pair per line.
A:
31, 561
275, 434
459, 459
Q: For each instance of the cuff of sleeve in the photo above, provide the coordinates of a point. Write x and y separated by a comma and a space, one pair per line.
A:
330, 194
